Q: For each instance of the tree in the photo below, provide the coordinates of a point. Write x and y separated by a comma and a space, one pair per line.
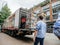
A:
44, 3
4, 13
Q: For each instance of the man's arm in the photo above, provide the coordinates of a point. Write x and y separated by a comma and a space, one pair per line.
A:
36, 30
35, 34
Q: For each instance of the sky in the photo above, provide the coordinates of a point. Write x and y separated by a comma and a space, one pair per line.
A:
16, 4
2, 3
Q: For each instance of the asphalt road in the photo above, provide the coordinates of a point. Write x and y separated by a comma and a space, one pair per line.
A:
5, 39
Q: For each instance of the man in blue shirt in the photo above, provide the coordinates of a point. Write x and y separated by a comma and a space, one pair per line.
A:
40, 31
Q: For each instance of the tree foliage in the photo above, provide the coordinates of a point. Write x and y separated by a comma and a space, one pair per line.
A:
44, 3
4, 13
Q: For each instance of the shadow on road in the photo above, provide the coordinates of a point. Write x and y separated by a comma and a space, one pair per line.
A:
25, 39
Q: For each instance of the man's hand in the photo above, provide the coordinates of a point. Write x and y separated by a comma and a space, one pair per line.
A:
34, 39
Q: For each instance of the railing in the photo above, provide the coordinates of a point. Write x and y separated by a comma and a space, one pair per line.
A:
54, 5
50, 21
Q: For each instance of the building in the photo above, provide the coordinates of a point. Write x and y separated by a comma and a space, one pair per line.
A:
55, 10
37, 10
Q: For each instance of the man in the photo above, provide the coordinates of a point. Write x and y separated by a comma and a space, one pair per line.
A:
56, 28
40, 31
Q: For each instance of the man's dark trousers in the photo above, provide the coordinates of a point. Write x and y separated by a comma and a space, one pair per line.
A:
39, 40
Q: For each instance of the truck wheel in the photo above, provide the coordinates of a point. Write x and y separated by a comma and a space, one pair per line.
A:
11, 33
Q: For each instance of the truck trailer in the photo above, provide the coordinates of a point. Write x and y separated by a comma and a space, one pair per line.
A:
18, 23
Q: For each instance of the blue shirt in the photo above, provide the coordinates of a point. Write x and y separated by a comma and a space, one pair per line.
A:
41, 29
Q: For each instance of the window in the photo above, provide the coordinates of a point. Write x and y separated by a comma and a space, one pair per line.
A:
48, 17
54, 10
55, 16
48, 13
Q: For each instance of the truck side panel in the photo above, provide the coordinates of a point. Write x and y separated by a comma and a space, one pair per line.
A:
16, 19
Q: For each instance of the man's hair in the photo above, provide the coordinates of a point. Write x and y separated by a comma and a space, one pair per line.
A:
41, 17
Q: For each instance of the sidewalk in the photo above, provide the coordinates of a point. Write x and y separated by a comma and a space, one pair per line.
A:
51, 36
50, 39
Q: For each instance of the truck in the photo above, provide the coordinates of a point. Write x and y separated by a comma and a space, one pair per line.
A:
19, 23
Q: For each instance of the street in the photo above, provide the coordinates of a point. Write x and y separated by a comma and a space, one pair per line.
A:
5, 39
